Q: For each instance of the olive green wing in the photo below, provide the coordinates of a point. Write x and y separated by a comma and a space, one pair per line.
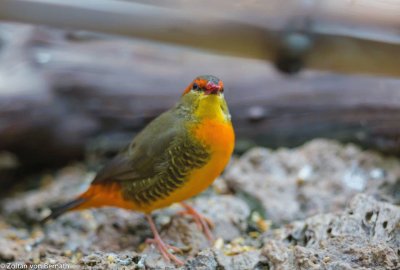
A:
157, 162
140, 159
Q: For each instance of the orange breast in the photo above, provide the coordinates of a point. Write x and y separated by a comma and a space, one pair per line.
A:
220, 138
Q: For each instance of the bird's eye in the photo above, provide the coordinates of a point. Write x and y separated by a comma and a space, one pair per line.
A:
195, 86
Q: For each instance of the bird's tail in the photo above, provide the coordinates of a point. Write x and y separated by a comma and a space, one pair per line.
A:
61, 209
97, 195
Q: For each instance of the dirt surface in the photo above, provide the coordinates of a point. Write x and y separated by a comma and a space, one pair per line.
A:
319, 206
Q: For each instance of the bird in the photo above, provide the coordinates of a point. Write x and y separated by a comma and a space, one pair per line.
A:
175, 157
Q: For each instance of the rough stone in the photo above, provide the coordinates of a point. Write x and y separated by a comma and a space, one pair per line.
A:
319, 177
366, 234
311, 194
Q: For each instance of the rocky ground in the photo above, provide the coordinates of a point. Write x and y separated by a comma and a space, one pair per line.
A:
319, 206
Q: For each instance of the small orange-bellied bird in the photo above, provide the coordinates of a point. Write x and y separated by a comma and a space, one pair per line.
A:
176, 156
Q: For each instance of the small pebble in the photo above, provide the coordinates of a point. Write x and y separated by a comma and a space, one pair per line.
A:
219, 243
262, 224
111, 258
305, 173
163, 220
254, 234
67, 253
326, 259
377, 173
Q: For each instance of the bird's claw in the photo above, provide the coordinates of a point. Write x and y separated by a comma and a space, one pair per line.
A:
162, 247
165, 250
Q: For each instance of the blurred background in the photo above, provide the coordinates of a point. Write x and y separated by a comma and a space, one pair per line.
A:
79, 78
313, 86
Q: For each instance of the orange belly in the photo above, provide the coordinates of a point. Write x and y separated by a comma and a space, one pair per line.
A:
219, 137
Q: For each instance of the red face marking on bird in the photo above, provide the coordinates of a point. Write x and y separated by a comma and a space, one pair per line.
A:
206, 84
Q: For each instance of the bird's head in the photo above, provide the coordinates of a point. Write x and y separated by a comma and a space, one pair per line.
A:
205, 98
205, 85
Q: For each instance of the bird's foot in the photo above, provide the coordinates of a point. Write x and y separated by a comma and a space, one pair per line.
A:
163, 247
165, 250
202, 222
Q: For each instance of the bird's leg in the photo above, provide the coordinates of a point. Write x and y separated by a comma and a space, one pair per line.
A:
162, 247
202, 222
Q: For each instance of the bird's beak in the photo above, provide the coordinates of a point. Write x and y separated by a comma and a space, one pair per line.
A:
212, 89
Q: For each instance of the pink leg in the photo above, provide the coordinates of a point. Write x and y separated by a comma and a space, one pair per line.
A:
162, 247
202, 222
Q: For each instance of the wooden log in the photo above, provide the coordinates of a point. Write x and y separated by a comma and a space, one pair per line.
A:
111, 88
258, 31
